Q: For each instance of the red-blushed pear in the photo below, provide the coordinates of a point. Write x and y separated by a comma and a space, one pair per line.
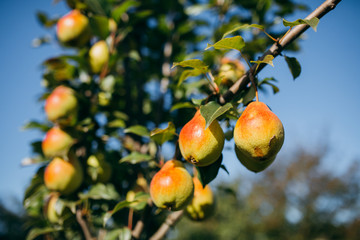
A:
98, 169
63, 176
98, 56
259, 136
56, 142
61, 106
73, 29
198, 145
202, 205
172, 187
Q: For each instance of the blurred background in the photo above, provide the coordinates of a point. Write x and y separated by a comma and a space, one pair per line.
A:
319, 110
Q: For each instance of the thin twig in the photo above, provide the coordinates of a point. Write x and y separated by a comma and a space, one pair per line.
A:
167, 224
83, 225
276, 49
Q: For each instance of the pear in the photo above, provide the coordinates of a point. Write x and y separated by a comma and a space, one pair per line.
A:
258, 136
198, 145
202, 205
98, 56
172, 187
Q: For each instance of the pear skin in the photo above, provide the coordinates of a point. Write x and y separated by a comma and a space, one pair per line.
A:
63, 176
198, 145
172, 187
259, 136
202, 205
56, 143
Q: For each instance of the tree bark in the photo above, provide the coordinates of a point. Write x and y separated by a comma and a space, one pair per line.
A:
276, 49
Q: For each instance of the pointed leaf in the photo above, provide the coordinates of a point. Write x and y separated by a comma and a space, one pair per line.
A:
209, 173
163, 135
294, 66
212, 111
101, 191
35, 124
236, 43
122, 8
36, 232
267, 59
138, 130
188, 73
193, 63
182, 105
136, 157
117, 208
118, 234
313, 22
244, 26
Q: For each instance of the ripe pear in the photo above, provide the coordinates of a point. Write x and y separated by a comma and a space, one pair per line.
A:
198, 145
98, 168
98, 56
172, 187
202, 205
63, 176
61, 106
56, 142
73, 29
258, 136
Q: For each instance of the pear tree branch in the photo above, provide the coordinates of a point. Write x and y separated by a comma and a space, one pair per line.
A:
170, 221
276, 49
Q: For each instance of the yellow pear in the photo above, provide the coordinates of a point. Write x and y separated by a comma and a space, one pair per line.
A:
202, 205
198, 145
258, 136
172, 187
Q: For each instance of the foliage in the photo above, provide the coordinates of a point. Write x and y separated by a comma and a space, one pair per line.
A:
296, 199
130, 113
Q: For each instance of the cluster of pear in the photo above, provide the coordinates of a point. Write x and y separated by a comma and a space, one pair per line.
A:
64, 174
258, 136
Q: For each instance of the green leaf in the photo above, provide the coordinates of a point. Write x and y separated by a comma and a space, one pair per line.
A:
95, 6
294, 66
118, 234
248, 96
182, 105
44, 20
117, 123
100, 26
267, 59
193, 63
36, 232
197, 102
33, 160
224, 168
313, 22
36, 124
101, 191
236, 43
243, 26
212, 111
188, 73
136, 157
209, 173
123, 8
138, 130
163, 135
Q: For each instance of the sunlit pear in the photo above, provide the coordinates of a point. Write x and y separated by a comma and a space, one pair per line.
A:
202, 205
98, 168
198, 145
56, 142
61, 106
172, 187
63, 176
73, 29
258, 136
98, 56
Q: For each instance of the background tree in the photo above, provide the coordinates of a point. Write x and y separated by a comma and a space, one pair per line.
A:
123, 117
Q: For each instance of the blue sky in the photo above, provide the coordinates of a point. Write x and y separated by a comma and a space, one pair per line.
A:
322, 105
